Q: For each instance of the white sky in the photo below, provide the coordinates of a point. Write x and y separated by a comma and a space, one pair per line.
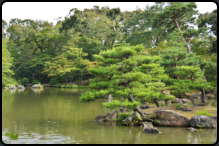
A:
50, 10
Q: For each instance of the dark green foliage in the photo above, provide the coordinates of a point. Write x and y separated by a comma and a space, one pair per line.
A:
122, 116
127, 73
54, 81
35, 82
25, 80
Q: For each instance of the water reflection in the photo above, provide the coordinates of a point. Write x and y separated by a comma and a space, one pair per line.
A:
20, 90
37, 90
57, 116
12, 90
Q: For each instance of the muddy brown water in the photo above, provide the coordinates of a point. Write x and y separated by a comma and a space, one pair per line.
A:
55, 115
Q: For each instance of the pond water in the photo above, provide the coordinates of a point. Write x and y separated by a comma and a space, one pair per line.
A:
54, 115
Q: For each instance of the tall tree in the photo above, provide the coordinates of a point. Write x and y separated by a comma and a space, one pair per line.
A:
7, 73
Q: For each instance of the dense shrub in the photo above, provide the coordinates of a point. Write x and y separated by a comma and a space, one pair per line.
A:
204, 112
25, 80
54, 81
35, 82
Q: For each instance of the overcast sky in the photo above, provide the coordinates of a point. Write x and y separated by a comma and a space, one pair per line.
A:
50, 10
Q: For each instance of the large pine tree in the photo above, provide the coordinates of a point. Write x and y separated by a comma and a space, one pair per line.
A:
128, 75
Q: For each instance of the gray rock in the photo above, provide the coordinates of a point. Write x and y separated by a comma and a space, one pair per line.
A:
169, 102
37, 86
196, 96
149, 128
124, 110
184, 100
209, 96
134, 119
12, 87
177, 100
202, 121
192, 129
111, 117
108, 96
20, 87
214, 117
200, 104
168, 118
184, 109
100, 118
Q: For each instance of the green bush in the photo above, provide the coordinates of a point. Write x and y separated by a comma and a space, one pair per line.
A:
35, 82
68, 86
63, 86
25, 81
74, 86
178, 105
122, 116
204, 112
58, 86
54, 81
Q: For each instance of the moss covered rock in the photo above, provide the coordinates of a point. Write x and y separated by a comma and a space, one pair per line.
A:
134, 119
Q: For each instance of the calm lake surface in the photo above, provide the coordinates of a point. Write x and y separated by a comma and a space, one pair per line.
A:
54, 115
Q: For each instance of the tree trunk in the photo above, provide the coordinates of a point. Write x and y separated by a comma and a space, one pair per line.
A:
138, 109
190, 99
157, 104
203, 96
187, 45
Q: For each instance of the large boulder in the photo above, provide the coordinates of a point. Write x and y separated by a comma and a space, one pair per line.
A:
20, 87
214, 117
168, 118
184, 100
149, 128
37, 86
202, 121
12, 87
134, 119
177, 100
111, 117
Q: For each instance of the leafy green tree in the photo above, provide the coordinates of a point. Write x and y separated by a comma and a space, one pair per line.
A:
128, 75
181, 67
7, 73
179, 15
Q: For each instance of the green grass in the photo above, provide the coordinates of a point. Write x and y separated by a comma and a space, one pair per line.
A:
204, 112
178, 105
